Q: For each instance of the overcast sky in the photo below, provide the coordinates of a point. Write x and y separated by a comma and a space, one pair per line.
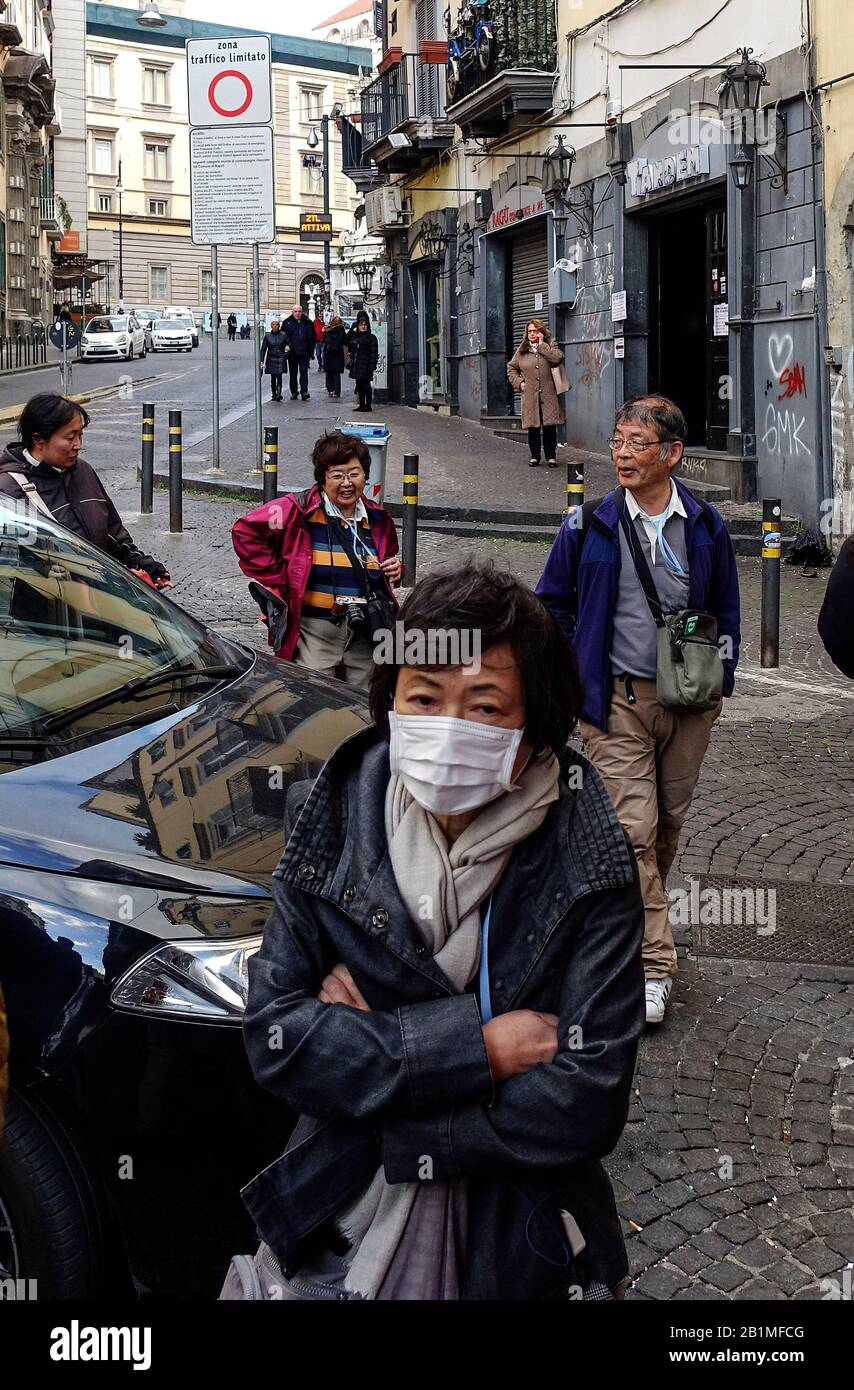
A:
290, 17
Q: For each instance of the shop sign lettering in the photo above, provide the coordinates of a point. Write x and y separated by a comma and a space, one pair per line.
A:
649, 175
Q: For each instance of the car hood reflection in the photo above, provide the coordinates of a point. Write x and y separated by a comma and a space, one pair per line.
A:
195, 799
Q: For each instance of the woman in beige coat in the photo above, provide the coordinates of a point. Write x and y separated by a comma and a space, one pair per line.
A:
530, 371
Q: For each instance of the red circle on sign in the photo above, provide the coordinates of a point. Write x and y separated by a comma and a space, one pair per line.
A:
222, 110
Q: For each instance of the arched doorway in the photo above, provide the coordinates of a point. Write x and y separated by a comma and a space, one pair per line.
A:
311, 294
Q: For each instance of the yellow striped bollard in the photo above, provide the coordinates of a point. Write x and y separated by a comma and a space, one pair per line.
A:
410, 516
176, 463
146, 475
271, 462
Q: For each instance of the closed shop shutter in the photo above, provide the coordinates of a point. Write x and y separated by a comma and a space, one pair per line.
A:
530, 277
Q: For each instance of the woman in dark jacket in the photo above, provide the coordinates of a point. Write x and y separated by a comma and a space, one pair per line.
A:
364, 354
274, 350
450, 987
45, 467
333, 357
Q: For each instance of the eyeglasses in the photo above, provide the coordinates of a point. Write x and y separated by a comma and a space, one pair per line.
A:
637, 446
354, 476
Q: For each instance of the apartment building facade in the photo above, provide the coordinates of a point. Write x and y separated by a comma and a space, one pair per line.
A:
137, 125
665, 264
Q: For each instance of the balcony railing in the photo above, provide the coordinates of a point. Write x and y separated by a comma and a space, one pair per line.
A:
50, 214
525, 37
411, 90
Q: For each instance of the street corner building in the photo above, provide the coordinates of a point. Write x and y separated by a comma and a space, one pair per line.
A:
667, 184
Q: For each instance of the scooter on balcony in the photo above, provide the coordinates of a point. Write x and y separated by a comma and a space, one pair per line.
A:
471, 42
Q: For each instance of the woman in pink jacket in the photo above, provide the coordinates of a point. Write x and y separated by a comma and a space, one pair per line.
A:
321, 553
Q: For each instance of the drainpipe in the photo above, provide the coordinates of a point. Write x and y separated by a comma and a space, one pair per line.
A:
823, 424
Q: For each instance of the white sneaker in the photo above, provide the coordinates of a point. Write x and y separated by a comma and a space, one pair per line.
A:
657, 994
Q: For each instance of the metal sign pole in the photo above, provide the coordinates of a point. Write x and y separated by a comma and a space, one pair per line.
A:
256, 333
215, 466
64, 357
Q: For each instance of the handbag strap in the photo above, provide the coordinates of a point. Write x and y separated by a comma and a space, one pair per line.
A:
641, 565
366, 583
32, 495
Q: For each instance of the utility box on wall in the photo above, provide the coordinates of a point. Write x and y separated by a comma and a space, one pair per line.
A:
563, 285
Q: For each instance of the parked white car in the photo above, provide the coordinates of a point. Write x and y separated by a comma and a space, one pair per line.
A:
113, 335
171, 334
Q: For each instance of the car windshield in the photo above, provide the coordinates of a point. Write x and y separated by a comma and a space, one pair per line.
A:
168, 325
76, 628
105, 325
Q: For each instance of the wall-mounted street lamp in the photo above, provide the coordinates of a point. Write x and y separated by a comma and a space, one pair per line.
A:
435, 240
741, 165
557, 178
364, 273
741, 86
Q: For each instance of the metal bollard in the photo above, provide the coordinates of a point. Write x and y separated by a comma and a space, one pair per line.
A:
574, 486
772, 524
410, 517
146, 474
176, 458
271, 462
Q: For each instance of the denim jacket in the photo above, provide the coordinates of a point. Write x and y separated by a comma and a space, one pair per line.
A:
408, 1085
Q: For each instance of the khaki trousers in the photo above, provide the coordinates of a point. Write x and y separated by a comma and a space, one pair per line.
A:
650, 760
332, 649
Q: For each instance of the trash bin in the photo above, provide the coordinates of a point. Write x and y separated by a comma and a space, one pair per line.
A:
376, 437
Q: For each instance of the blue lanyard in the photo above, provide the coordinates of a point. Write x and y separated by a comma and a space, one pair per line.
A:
483, 973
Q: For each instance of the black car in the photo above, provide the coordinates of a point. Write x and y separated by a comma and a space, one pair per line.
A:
144, 762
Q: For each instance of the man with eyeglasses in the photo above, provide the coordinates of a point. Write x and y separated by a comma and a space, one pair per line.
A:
649, 756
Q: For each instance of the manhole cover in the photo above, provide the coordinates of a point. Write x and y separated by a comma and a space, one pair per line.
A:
758, 919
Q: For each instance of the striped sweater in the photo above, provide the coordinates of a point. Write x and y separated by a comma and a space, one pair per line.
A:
332, 572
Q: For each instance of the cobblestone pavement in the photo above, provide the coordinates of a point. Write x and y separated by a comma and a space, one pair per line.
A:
735, 1173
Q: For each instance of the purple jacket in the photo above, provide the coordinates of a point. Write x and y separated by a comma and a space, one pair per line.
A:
579, 586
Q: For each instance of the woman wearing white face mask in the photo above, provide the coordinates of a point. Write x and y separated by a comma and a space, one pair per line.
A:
452, 980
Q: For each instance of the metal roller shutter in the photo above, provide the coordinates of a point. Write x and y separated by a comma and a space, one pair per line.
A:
530, 272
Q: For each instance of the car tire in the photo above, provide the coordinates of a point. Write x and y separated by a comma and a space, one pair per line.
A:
130, 353
49, 1205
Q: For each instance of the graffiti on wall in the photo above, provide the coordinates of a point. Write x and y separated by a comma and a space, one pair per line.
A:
784, 427
592, 359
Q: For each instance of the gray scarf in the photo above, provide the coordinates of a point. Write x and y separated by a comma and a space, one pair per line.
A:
443, 888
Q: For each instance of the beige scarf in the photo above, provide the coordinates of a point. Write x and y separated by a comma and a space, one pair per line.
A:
443, 888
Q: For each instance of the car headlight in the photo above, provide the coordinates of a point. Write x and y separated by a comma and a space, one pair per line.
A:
123, 337
198, 981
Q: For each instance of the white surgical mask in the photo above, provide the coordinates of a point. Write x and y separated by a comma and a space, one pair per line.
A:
452, 765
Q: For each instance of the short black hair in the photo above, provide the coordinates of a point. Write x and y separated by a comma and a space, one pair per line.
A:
46, 413
335, 449
659, 411
477, 596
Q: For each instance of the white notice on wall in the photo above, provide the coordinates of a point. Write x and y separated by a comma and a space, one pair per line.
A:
720, 322
618, 306
538, 302
231, 186
619, 347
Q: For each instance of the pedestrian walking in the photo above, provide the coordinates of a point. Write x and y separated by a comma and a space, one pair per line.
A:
836, 619
531, 370
231, 323
333, 357
618, 569
46, 467
275, 350
452, 973
299, 331
320, 335
330, 556
364, 355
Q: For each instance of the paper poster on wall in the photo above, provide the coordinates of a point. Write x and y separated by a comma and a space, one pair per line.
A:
538, 302
720, 322
619, 347
618, 306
